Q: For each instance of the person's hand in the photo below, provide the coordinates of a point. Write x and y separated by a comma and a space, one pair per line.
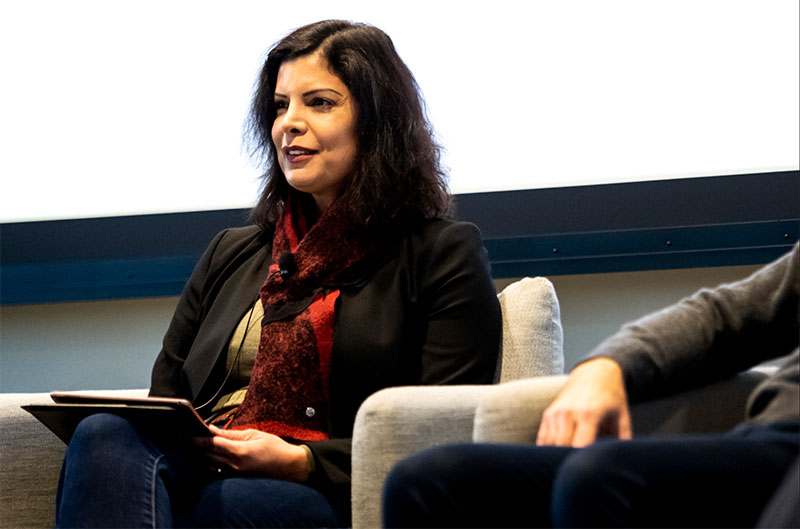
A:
592, 404
253, 452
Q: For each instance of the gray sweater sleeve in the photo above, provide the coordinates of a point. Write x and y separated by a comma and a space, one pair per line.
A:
712, 334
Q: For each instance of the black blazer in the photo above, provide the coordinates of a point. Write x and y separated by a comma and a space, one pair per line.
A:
422, 309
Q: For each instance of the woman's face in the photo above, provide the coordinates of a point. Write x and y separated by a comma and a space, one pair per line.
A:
314, 131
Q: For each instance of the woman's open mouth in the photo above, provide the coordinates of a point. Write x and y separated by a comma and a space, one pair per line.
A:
296, 154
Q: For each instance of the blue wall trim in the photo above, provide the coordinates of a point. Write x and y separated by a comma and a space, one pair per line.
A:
95, 280
684, 223
654, 249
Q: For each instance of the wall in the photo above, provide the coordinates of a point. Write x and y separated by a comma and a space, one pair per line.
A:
99, 344
594, 306
112, 344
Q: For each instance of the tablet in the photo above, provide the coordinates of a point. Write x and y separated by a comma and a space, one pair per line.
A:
162, 416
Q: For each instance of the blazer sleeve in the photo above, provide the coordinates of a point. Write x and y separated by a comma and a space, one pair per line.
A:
463, 327
459, 324
165, 379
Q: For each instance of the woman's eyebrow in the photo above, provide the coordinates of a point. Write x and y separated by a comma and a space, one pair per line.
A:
310, 92
317, 90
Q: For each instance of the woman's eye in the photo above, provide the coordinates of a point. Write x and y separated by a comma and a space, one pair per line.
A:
280, 106
321, 102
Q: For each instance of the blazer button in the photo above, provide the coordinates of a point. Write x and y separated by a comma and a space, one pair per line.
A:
310, 412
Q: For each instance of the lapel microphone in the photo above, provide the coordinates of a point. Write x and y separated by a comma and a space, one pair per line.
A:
286, 265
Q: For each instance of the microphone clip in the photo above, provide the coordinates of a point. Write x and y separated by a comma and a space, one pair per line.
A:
286, 265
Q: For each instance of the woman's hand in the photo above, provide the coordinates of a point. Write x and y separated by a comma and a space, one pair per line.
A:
255, 453
592, 404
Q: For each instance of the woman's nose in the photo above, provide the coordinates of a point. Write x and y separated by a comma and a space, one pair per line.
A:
292, 121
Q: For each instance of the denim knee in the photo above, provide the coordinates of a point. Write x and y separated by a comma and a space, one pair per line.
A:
101, 423
103, 431
114, 476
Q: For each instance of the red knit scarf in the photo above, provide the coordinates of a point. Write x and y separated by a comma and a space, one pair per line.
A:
289, 386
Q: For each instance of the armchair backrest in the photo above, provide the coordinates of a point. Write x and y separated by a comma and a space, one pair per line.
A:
396, 422
533, 343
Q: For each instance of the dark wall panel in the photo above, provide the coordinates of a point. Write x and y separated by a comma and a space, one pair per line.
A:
682, 223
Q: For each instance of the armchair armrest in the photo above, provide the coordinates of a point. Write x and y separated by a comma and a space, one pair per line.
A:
395, 423
512, 413
30, 461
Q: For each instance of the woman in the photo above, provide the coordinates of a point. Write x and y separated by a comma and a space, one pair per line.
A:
351, 280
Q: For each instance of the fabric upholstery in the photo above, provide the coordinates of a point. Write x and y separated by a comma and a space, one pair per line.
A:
512, 412
30, 461
396, 422
532, 335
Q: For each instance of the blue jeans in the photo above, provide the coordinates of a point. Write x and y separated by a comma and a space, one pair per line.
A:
700, 481
114, 475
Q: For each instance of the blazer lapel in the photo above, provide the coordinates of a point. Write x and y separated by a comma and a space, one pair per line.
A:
237, 293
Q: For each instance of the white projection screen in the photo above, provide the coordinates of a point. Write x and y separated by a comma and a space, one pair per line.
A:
120, 107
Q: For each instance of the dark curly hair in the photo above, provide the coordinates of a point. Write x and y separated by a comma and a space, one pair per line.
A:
397, 175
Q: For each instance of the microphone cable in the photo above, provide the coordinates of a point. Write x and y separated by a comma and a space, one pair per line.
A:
235, 358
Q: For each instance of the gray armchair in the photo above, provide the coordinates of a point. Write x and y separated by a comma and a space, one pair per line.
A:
397, 422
